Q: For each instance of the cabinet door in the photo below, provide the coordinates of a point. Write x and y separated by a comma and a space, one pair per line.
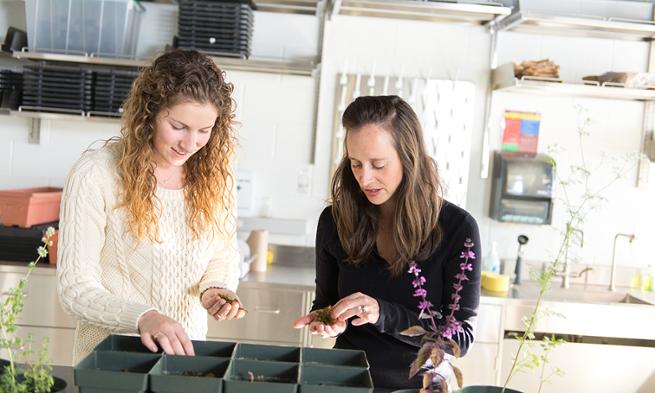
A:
270, 314
60, 346
589, 368
41, 303
481, 364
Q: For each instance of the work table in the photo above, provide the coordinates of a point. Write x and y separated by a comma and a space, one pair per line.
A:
592, 314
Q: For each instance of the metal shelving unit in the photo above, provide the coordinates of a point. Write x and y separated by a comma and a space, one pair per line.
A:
297, 67
422, 10
59, 116
503, 80
304, 7
613, 28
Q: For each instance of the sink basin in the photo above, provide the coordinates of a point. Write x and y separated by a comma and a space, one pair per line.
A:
576, 294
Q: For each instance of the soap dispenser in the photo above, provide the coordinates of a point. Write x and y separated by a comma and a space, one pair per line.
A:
491, 260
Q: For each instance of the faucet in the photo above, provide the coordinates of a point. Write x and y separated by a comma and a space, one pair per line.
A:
565, 273
631, 238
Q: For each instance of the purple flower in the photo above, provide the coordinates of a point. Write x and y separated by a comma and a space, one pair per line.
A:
466, 266
461, 276
420, 292
457, 286
424, 304
468, 243
468, 254
418, 281
414, 269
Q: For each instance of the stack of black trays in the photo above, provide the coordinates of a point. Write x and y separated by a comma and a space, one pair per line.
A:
20, 244
222, 28
11, 88
57, 87
110, 88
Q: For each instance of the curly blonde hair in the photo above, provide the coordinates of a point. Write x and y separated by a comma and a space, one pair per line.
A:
174, 77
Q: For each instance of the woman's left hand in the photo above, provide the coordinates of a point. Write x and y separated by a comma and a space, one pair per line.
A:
358, 304
218, 307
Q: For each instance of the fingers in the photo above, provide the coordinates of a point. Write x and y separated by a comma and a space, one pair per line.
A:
164, 343
148, 342
187, 345
216, 306
356, 304
326, 331
175, 342
302, 321
159, 331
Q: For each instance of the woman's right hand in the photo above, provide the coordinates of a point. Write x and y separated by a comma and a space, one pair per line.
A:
320, 328
158, 329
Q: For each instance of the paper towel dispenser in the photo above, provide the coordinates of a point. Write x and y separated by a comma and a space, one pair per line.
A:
522, 188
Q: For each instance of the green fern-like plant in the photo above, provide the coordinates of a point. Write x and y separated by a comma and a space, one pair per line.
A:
579, 198
34, 374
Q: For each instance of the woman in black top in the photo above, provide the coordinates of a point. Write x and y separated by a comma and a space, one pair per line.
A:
386, 211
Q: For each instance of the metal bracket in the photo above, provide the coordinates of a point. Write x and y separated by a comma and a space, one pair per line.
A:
34, 136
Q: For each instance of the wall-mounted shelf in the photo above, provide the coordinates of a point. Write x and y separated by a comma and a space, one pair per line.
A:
304, 7
613, 28
503, 80
421, 10
59, 116
294, 67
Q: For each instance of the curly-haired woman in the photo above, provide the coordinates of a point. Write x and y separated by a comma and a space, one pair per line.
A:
387, 211
147, 227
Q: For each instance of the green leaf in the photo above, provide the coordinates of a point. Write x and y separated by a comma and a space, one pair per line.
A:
414, 331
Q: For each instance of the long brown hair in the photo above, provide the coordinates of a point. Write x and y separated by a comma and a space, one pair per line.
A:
174, 77
417, 198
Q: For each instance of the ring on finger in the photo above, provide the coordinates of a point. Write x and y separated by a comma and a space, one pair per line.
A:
156, 335
363, 309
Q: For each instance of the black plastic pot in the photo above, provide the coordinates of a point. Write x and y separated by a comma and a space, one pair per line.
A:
330, 379
334, 357
268, 352
109, 372
182, 374
251, 376
58, 387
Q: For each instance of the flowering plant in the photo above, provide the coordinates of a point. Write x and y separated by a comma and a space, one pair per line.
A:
437, 344
36, 375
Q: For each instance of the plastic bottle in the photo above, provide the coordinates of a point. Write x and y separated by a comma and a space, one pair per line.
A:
492, 260
647, 279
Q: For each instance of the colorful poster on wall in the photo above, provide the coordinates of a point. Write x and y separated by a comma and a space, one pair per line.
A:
521, 133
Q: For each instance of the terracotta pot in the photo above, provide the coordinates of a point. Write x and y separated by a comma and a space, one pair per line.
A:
29, 206
52, 250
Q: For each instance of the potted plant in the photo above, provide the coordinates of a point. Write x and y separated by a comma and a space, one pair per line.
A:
437, 346
435, 343
26, 369
579, 198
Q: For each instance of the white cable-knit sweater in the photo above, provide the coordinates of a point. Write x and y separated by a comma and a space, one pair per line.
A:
108, 280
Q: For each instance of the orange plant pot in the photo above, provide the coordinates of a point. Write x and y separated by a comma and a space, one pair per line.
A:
52, 250
29, 206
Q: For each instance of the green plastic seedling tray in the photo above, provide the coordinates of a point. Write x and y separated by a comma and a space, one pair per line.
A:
334, 357
251, 376
109, 371
277, 353
331, 379
183, 374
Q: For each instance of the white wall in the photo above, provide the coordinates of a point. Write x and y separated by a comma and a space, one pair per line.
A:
276, 119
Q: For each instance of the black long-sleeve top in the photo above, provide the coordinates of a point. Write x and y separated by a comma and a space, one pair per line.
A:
390, 353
